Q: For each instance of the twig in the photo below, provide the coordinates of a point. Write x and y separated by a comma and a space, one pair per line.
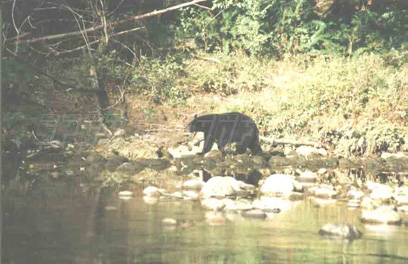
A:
112, 24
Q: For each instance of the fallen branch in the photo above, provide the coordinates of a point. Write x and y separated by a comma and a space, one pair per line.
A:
294, 142
112, 24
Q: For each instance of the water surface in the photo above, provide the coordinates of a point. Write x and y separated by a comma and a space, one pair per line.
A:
66, 221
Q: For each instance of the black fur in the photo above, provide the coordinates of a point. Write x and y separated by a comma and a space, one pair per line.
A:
227, 128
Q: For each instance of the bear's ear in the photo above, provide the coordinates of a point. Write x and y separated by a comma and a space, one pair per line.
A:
195, 116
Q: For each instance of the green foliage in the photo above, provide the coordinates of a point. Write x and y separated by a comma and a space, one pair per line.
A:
158, 79
278, 27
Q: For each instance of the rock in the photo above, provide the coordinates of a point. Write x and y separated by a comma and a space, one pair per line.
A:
278, 161
277, 184
125, 193
381, 215
129, 168
340, 230
152, 191
324, 192
355, 194
191, 195
182, 151
213, 154
307, 176
368, 203
401, 200
215, 218
258, 160
272, 204
318, 202
115, 161
237, 205
220, 187
354, 203
195, 184
296, 196
94, 158
255, 214
213, 204
403, 209
379, 191
169, 221
55, 174
322, 152
120, 132
346, 163
155, 164
322, 171
150, 200
398, 155
307, 151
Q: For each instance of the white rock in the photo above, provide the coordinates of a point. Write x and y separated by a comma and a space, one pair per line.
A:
306, 150
278, 184
401, 200
152, 191
220, 187
324, 193
119, 133
169, 221
307, 176
355, 194
398, 155
381, 192
403, 209
191, 194
322, 152
193, 184
125, 193
381, 215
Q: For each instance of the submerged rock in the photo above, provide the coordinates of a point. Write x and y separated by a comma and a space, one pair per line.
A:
213, 204
256, 214
340, 230
381, 215
169, 221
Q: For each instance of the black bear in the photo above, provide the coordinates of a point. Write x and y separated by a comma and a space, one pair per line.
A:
227, 128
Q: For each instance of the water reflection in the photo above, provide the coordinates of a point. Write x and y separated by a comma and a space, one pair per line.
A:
64, 221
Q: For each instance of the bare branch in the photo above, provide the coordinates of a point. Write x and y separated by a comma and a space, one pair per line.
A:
113, 24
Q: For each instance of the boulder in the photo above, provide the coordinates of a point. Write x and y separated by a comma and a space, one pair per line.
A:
381, 215
340, 230
278, 185
220, 187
